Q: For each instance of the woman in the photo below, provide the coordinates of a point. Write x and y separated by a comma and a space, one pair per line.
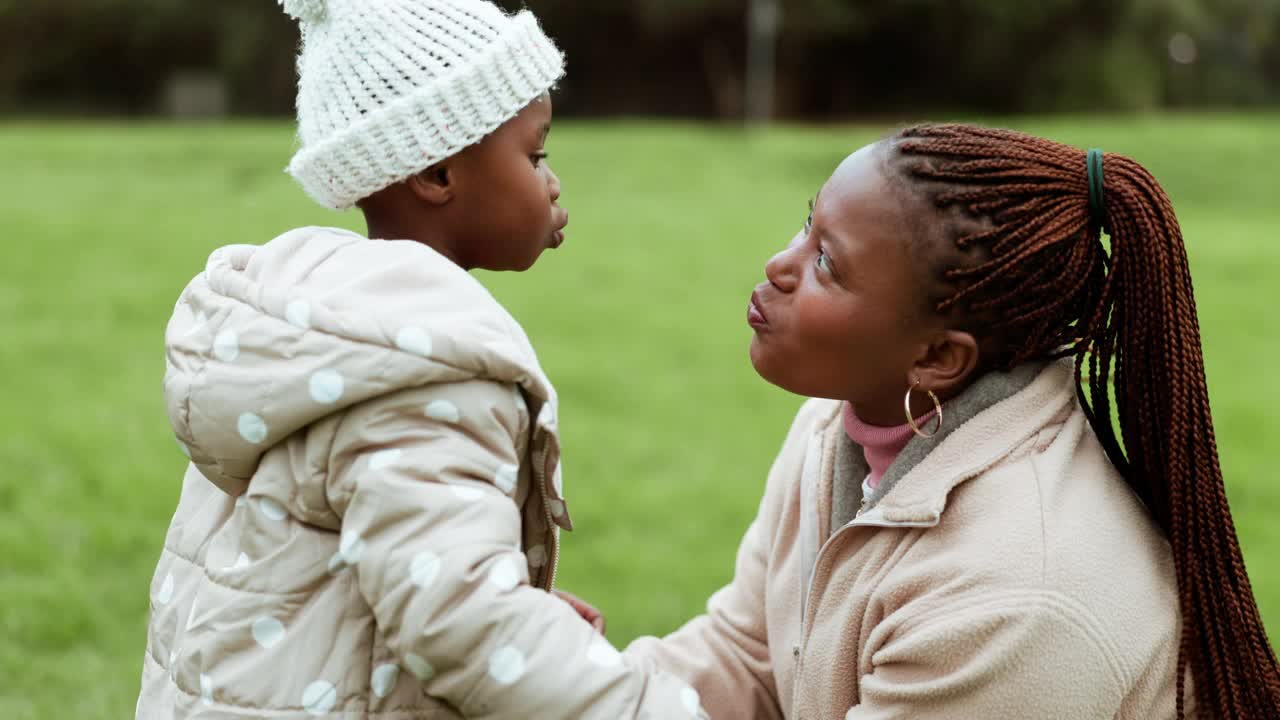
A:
987, 547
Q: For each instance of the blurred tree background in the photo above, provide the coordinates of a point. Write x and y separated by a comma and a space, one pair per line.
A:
668, 429
835, 59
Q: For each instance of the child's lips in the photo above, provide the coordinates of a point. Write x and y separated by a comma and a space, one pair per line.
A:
755, 315
557, 236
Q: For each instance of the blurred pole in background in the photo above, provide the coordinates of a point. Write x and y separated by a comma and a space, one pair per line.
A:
763, 22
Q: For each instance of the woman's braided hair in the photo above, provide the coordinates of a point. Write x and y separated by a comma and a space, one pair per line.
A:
1039, 282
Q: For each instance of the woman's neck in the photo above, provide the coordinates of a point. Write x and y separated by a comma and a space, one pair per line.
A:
880, 444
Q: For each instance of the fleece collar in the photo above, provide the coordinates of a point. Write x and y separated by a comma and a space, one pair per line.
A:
996, 415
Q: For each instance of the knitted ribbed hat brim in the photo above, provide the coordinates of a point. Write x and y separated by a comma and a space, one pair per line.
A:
424, 127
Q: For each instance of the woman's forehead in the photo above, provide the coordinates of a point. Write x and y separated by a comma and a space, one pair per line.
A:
858, 193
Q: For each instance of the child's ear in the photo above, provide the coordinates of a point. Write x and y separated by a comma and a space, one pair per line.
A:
434, 185
947, 362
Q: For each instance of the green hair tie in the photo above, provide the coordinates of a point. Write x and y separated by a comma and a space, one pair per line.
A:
1097, 196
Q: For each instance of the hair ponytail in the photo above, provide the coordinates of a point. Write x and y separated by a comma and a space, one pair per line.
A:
1128, 315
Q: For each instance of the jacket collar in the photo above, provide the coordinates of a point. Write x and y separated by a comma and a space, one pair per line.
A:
997, 414
250, 335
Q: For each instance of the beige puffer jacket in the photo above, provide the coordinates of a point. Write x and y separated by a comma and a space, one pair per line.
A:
368, 525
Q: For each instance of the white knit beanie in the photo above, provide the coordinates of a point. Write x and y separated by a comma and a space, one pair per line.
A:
389, 87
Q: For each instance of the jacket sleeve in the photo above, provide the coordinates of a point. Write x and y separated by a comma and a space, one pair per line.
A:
433, 534
1018, 654
725, 653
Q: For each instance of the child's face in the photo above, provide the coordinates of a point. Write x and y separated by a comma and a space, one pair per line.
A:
505, 211
840, 316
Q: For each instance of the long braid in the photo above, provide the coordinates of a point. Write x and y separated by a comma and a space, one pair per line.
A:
1127, 314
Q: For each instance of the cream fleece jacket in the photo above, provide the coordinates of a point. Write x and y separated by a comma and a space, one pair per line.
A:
1002, 570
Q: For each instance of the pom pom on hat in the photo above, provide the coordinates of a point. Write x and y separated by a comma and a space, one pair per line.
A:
307, 11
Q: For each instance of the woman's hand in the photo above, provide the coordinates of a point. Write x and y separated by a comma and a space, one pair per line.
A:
586, 611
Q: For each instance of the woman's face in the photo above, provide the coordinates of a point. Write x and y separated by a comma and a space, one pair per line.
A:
841, 315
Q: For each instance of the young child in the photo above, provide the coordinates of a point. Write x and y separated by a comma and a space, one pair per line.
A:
368, 526
986, 546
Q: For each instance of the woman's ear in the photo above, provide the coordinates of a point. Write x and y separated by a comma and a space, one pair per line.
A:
946, 363
434, 185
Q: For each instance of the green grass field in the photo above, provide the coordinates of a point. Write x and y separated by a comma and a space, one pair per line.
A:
639, 320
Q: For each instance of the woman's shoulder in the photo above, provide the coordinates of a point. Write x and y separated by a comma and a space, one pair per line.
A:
813, 421
811, 426
815, 415
1056, 517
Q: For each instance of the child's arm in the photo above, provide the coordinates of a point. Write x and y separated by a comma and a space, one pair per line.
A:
435, 544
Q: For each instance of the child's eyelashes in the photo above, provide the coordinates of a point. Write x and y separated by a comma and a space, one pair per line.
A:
808, 223
538, 158
823, 261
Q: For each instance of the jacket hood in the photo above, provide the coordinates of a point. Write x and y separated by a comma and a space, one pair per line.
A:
270, 339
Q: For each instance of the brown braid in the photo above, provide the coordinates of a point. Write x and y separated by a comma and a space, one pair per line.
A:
1036, 269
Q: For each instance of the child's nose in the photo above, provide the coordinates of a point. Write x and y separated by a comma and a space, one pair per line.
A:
553, 184
781, 269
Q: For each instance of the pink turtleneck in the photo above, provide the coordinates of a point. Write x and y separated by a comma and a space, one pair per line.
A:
880, 445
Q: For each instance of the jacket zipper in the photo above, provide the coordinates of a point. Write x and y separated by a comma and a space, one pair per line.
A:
553, 556
808, 599
810, 610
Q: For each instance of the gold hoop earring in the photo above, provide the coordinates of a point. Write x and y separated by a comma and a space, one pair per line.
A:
937, 410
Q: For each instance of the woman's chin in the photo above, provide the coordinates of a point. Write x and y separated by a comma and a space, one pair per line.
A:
777, 371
